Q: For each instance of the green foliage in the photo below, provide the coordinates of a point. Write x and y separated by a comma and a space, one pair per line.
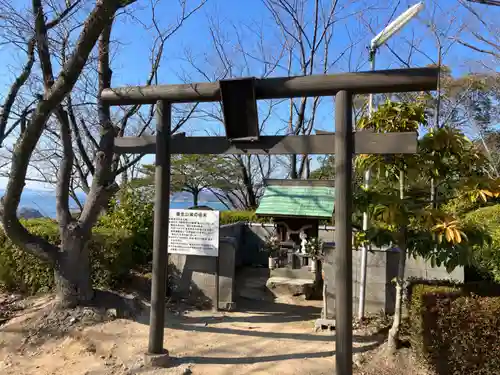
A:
395, 117
230, 217
272, 245
487, 256
416, 308
314, 247
326, 170
248, 216
110, 256
456, 328
194, 173
445, 157
20, 270
460, 206
133, 210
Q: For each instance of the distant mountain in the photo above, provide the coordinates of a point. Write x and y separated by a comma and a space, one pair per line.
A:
29, 213
183, 196
43, 202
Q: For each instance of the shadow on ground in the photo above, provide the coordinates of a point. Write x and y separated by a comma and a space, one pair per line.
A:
261, 312
250, 360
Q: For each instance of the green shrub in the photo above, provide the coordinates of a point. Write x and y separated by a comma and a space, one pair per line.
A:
133, 211
230, 217
110, 255
486, 258
455, 327
416, 310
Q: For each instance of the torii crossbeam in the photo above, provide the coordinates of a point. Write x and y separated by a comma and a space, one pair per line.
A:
238, 100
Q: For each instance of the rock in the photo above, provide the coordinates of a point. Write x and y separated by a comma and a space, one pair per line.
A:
157, 360
284, 286
358, 359
108, 362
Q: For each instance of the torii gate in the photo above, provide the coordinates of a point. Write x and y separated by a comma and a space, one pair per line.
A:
238, 99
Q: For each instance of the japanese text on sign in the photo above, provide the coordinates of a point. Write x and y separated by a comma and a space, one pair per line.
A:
193, 232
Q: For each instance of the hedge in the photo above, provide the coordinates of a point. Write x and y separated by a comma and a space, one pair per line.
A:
456, 327
110, 254
487, 258
230, 217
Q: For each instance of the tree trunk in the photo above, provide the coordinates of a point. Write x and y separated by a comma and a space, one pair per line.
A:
293, 167
72, 271
393, 337
195, 198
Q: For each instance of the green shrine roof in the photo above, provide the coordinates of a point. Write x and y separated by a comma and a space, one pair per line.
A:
298, 201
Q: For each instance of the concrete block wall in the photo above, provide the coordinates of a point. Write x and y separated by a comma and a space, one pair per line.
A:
193, 277
382, 265
381, 270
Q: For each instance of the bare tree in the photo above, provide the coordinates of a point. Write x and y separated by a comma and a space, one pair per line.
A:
56, 118
83, 117
481, 32
230, 58
306, 39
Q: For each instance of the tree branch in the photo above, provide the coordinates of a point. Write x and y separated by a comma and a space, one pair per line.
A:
14, 89
103, 184
78, 137
98, 19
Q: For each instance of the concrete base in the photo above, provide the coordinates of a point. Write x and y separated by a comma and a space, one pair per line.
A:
324, 324
227, 306
157, 360
284, 286
299, 273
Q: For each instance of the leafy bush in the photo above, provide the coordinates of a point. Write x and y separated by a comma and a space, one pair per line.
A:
456, 328
416, 309
487, 257
133, 210
230, 217
110, 255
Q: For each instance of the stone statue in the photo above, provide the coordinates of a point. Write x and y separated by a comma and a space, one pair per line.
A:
303, 241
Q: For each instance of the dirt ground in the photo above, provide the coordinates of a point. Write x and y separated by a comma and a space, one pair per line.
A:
262, 338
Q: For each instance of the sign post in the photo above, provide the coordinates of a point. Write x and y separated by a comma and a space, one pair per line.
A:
196, 232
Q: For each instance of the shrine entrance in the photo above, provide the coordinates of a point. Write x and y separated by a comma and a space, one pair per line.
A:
238, 98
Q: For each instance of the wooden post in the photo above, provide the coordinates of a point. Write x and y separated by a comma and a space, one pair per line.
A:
217, 282
381, 81
161, 218
343, 232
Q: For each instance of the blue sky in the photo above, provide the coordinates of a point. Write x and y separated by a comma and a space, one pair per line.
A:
131, 55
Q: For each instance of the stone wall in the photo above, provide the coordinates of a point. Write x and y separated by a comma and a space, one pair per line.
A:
382, 268
193, 277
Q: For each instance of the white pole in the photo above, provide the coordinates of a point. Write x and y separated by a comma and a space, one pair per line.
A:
364, 249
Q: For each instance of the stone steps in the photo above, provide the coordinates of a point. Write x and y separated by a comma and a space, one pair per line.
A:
285, 286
